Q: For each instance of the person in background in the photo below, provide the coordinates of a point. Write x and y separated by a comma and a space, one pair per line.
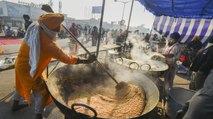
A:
202, 64
79, 29
1, 27
146, 38
94, 35
155, 37
191, 50
86, 33
103, 33
200, 106
172, 54
187, 57
120, 40
85, 30
195, 44
35, 53
9, 32
89, 30
118, 32
20, 32
74, 30
27, 21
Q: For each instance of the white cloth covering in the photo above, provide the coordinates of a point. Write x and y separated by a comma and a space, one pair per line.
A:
32, 38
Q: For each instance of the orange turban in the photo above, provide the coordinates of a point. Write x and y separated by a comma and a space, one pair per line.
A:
52, 20
196, 38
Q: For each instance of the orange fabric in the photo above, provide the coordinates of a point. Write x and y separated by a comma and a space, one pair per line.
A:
51, 20
196, 38
1, 50
24, 82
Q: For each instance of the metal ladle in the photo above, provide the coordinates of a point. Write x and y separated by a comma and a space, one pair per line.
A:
47, 8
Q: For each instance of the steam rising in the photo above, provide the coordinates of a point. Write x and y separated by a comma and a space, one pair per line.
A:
73, 81
138, 52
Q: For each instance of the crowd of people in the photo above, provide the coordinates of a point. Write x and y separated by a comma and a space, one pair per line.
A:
91, 33
16, 33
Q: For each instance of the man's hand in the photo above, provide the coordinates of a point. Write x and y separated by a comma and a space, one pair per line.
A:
91, 59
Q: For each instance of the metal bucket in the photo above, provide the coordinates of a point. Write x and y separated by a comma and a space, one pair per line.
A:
177, 98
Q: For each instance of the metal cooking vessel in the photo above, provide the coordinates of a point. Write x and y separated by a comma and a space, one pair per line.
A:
152, 94
177, 98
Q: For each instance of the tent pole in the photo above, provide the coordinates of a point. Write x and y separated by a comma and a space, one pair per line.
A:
100, 28
152, 28
130, 18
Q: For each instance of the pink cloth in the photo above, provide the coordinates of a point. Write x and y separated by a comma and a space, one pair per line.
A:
175, 50
6, 41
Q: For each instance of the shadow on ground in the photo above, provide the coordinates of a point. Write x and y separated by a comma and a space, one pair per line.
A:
51, 111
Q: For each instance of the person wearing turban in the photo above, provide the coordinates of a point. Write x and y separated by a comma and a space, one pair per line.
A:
35, 53
202, 64
195, 44
172, 54
27, 21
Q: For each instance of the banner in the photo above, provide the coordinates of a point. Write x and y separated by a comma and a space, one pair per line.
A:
96, 9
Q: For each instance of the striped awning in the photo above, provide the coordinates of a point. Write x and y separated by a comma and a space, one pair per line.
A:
188, 28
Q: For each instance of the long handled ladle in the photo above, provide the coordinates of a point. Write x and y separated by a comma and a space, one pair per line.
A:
47, 8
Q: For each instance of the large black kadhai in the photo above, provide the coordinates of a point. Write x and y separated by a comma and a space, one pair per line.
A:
90, 81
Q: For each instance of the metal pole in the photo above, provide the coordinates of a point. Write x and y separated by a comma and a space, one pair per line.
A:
124, 6
130, 16
99, 38
151, 29
123, 10
100, 28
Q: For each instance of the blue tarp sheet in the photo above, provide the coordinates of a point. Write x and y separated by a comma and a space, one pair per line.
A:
180, 8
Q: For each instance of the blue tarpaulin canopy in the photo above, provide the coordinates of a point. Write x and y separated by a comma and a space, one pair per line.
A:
180, 8
188, 17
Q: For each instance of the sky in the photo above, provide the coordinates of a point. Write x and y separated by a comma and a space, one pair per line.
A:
81, 9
